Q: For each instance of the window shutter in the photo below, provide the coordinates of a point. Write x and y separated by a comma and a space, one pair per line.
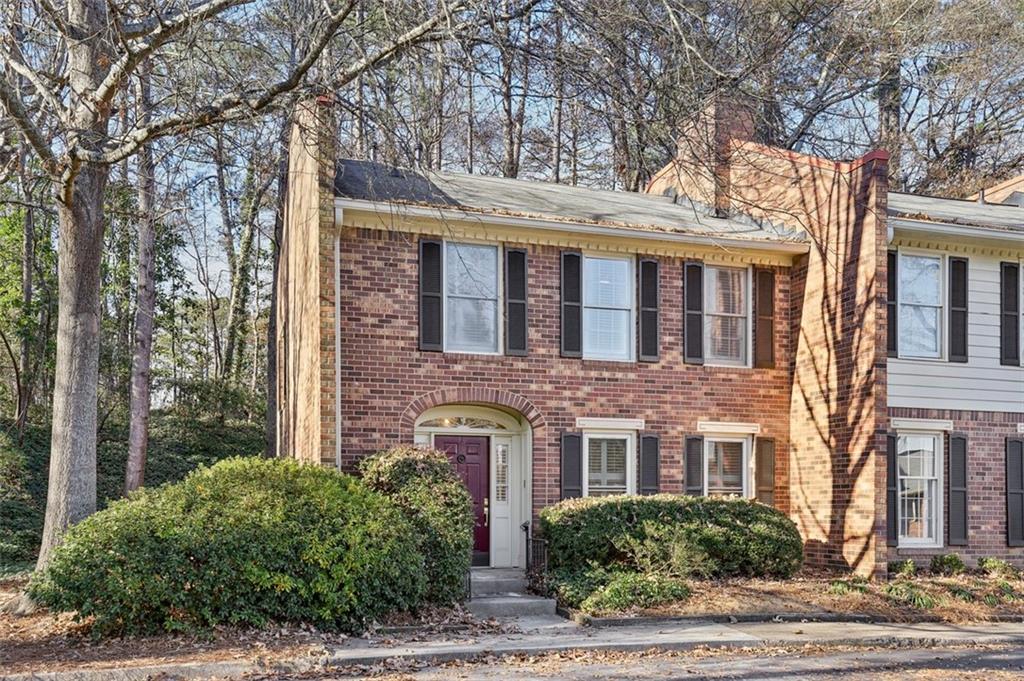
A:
649, 456
957, 490
572, 465
572, 305
764, 320
648, 273
1015, 491
764, 455
693, 312
431, 295
693, 465
891, 493
892, 311
515, 302
1009, 309
958, 309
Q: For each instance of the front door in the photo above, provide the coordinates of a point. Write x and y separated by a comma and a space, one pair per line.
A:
469, 455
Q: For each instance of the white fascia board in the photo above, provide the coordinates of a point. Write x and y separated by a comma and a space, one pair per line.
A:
958, 231
443, 214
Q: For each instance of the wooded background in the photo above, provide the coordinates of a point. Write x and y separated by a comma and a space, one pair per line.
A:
174, 114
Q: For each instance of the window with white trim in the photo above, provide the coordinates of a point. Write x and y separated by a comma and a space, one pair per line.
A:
726, 466
919, 471
608, 302
609, 464
920, 305
471, 298
726, 315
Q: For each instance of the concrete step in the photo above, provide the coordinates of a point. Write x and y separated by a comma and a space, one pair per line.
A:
497, 586
512, 605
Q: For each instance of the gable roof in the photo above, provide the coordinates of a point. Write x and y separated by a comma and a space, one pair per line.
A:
971, 214
482, 194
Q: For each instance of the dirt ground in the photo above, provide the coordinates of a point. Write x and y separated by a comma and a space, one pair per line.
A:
42, 642
963, 598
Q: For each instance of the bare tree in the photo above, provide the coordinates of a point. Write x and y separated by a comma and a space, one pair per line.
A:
82, 55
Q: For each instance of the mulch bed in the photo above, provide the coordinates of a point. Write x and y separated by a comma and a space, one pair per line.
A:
42, 642
972, 597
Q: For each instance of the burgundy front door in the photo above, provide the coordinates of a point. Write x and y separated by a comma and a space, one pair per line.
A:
469, 455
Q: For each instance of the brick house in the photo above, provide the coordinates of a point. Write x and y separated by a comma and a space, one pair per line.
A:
760, 323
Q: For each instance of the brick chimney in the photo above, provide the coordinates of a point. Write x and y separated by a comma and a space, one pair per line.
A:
701, 170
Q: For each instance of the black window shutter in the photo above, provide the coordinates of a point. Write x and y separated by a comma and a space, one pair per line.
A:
958, 309
1015, 491
693, 312
892, 310
693, 465
572, 304
892, 533
957, 490
431, 294
764, 455
515, 302
572, 465
648, 293
1009, 309
764, 320
649, 456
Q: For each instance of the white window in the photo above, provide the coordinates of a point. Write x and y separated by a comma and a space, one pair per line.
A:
920, 301
726, 466
608, 308
919, 471
726, 315
471, 298
608, 464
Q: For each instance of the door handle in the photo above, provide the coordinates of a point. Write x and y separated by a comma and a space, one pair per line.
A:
487, 512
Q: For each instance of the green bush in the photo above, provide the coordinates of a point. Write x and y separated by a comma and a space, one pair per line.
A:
246, 541
947, 564
737, 536
903, 568
908, 593
573, 586
626, 590
425, 486
996, 567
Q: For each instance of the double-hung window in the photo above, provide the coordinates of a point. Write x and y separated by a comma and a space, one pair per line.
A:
471, 298
726, 462
608, 464
919, 471
726, 315
608, 302
921, 296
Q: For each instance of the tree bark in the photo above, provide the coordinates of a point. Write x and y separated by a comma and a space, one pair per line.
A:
71, 495
145, 306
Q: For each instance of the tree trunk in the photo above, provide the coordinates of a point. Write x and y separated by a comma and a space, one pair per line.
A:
145, 305
890, 100
71, 495
28, 260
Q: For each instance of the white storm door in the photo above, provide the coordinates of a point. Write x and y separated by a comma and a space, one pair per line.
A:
502, 490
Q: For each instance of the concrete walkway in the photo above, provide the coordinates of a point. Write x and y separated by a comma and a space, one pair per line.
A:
538, 635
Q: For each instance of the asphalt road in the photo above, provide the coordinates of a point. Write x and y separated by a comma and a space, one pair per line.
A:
995, 662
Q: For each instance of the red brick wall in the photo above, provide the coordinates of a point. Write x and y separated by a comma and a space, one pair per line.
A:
986, 483
383, 372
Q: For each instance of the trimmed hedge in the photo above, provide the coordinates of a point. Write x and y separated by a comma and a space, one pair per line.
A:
246, 541
728, 537
425, 486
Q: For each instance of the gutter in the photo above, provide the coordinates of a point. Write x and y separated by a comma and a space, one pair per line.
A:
408, 210
1016, 238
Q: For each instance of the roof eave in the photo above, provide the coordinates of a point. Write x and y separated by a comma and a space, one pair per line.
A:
793, 246
947, 229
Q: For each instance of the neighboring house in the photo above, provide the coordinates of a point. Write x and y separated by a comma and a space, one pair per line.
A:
762, 323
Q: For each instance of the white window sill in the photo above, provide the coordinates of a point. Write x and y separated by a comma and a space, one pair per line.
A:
720, 365
620, 360
927, 360
907, 544
481, 353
